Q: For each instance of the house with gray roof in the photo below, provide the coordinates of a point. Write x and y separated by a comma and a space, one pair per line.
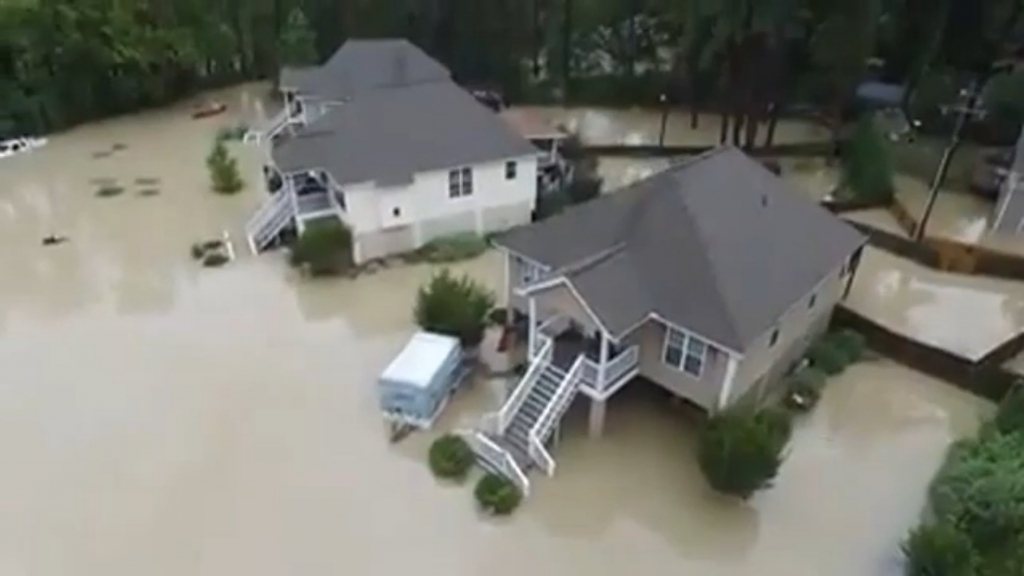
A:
710, 279
381, 137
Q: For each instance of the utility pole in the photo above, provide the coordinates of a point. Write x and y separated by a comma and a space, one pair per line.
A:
663, 99
964, 110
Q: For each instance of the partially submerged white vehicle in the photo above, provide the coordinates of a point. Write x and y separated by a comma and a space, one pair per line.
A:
17, 145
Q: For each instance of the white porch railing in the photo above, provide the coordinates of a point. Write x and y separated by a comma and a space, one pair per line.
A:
518, 396
498, 457
548, 419
621, 365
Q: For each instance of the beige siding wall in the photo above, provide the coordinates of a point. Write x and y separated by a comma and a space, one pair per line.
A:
447, 225
701, 391
501, 218
763, 365
383, 243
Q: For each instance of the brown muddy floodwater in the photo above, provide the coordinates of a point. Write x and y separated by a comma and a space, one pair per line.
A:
161, 419
637, 126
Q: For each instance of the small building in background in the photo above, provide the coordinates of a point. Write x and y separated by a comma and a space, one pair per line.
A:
552, 169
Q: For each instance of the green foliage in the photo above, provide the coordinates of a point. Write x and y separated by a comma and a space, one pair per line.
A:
981, 489
497, 495
325, 248
850, 343
741, 451
498, 316
298, 40
453, 248
450, 457
223, 170
867, 165
583, 189
1004, 101
939, 549
804, 388
456, 306
827, 356
1010, 416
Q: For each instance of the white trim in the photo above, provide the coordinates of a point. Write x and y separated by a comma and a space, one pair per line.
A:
527, 292
730, 376
1010, 189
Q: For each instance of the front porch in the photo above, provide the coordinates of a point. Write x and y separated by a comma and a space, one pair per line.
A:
607, 366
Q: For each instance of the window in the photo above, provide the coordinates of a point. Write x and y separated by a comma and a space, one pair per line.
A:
684, 352
460, 182
774, 338
510, 170
812, 301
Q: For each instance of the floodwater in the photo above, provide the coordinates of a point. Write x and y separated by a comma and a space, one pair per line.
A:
967, 315
162, 419
635, 126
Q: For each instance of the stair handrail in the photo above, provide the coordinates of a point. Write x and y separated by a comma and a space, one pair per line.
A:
264, 215
546, 421
500, 458
526, 383
621, 365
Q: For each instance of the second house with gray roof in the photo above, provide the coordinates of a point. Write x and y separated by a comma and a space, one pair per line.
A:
709, 279
381, 137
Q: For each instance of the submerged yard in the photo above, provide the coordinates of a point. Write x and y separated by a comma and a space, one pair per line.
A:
163, 419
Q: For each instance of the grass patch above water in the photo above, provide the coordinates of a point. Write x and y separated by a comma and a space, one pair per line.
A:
109, 190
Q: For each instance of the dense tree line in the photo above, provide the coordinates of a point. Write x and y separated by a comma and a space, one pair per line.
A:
66, 61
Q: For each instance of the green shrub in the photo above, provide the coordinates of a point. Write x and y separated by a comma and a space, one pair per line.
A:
583, 189
450, 457
325, 247
223, 170
550, 204
197, 250
453, 248
498, 316
850, 343
980, 488
804, 388
939, 549
867, 165
826, 356
740, 452
1010, 416
497, 495
454, 306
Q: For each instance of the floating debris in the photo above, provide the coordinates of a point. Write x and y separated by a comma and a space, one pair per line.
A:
109, 190
102, 154
141, 181
118, 146
213, 253
215, 259
147, 192
53, 240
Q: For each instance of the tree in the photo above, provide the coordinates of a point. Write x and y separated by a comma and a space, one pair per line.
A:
939, 549
455, 306
297, 44
740, 451
223, 170
325, 247
867, 164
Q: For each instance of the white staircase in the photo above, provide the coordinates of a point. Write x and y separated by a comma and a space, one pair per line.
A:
273, 128
267, 223
518, 433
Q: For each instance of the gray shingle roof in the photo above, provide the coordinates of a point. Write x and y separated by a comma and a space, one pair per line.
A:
389, 135
718, 245
365, 65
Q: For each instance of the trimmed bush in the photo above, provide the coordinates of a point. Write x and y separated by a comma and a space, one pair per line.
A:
223, 170
325, 248
1010, 416
456, 306
804, 388
850, 343
979, 487
453, 248
450, 457
498, 316
497, 495
826, 356
939, 549
740, 451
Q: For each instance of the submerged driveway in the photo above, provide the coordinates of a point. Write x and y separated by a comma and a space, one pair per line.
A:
157, 418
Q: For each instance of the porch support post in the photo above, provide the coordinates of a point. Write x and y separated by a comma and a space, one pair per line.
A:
854, 265
604, 360
531, 337
508, 288
597, 413
727, 382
